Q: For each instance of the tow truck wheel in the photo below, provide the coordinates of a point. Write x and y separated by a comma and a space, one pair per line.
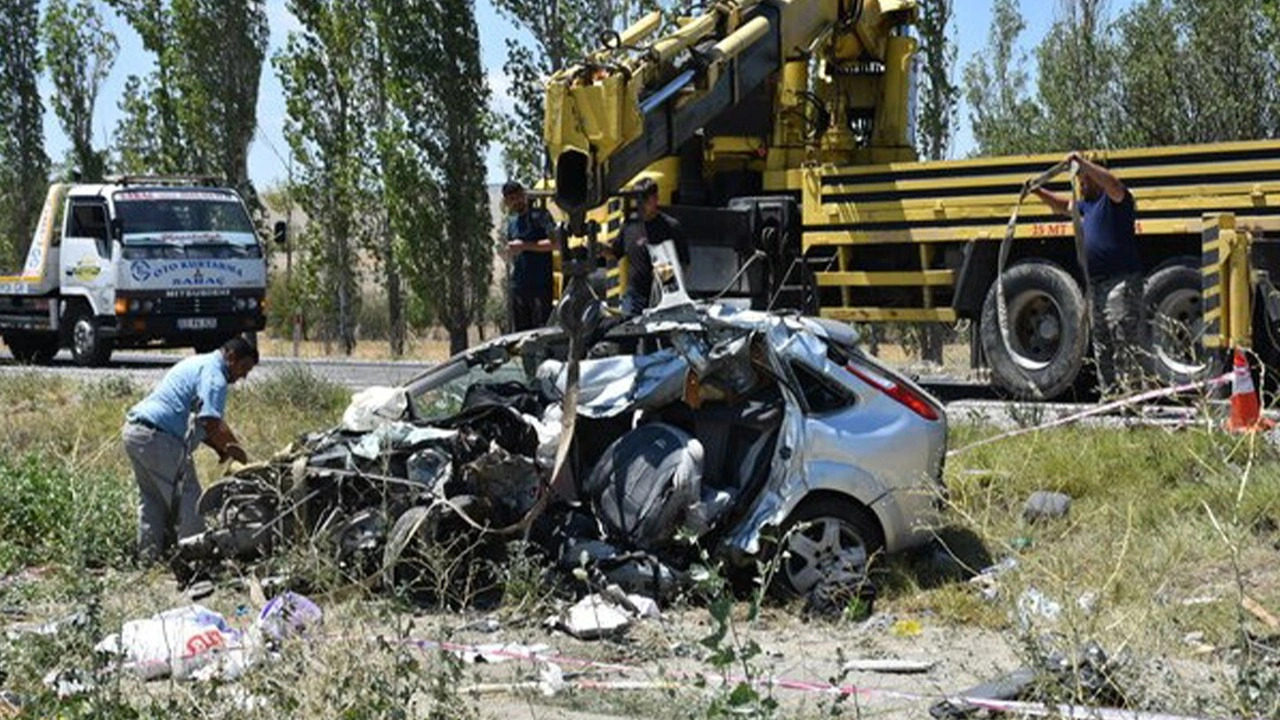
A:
88, 347
1046, 312
32, 348
1172, 298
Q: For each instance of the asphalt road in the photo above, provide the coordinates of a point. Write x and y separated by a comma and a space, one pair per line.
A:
148, 368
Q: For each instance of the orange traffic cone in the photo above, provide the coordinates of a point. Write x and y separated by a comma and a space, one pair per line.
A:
1246, 411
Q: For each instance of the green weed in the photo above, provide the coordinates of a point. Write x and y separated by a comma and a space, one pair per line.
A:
53, 514
294, 387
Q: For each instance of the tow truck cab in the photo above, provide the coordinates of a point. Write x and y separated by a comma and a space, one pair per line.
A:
135, 262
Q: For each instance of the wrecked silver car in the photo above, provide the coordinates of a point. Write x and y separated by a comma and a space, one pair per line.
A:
696, 430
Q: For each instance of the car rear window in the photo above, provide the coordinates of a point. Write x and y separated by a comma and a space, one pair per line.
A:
821, 395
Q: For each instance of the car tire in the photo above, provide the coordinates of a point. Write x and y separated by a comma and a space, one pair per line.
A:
1047, 321
432, 557
88, 347
32, 348
815, 536
1172, 297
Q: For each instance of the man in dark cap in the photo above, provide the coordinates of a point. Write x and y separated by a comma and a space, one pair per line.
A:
529, 247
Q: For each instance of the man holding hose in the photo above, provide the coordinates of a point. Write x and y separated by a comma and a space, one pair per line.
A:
164, 429
1107, 215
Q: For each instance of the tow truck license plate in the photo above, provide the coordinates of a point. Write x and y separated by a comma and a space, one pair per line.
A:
198, 323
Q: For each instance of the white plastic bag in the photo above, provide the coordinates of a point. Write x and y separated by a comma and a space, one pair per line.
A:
175, 642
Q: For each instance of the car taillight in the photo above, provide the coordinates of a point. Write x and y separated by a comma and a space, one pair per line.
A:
904, 394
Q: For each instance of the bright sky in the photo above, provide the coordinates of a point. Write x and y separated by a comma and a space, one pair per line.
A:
269, 153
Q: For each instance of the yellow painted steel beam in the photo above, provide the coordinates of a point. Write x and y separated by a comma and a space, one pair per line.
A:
1199, 173
1240, 291
861, 314
941, 278
1243, 196
1034, 231
1048, 159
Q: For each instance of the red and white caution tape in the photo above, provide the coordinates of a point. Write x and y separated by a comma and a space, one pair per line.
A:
1026, 709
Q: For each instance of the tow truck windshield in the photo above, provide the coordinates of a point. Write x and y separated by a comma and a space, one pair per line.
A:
148, 214
185, 224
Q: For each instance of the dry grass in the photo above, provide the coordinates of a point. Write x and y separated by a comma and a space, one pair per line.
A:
1167, 532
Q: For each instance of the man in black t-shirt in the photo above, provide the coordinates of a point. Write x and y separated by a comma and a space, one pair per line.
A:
651, 227
1108, 215
529, 247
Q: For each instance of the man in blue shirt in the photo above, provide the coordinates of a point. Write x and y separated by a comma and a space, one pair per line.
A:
529, 246
1108, 214
164, 429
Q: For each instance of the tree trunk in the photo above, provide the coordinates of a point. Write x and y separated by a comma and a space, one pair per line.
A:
931, 337
871, 338
346, 285
395, 296
395, 311
457, 339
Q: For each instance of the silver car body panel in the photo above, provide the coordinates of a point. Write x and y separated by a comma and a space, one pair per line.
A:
875, 451
857, 451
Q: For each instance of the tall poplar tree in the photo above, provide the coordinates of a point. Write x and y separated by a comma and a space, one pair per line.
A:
320, 68
437, 174
24, 167
78, 53
1002, 115
197, 110
935, 115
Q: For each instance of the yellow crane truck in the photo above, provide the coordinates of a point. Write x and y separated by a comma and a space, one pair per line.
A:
779, 133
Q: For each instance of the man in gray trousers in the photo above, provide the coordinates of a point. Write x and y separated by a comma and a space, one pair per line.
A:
1108, 215
164, 429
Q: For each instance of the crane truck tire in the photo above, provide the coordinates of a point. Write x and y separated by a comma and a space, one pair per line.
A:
1047, 329
1173, 301
32, 348
88, 347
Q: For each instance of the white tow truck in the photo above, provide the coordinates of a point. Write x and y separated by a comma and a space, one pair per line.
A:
135, 262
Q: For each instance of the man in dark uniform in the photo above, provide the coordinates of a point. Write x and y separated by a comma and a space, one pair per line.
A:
529, 246
1108, 214
651, 227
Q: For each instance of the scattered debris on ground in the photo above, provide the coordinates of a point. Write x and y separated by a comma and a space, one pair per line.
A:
604, 614
890, 665
194, 642
1086, 679
1045, 505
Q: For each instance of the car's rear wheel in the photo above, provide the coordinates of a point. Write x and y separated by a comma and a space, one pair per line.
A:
828, 538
